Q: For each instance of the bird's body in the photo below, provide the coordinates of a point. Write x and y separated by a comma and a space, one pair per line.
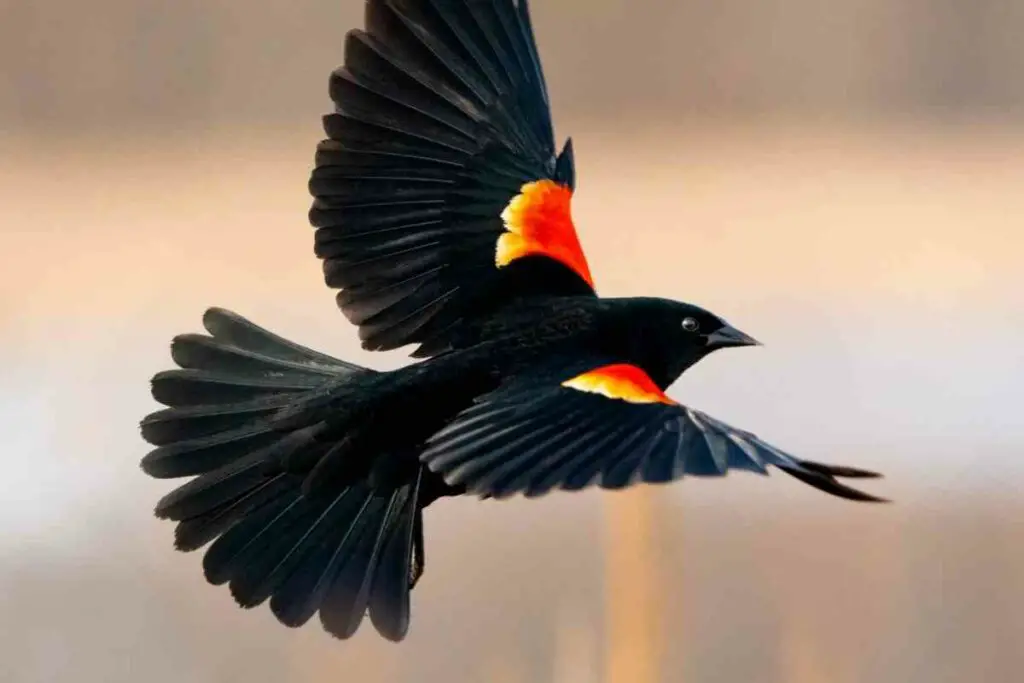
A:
442, 215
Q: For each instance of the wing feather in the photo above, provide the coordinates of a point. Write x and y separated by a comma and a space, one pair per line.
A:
441, 121
609, 425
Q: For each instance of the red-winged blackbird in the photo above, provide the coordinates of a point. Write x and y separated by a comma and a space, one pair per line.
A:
442, 214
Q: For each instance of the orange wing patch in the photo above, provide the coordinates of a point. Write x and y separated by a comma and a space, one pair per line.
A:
538, 222
622, 381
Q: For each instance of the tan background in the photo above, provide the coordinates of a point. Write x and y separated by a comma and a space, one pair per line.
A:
842, 180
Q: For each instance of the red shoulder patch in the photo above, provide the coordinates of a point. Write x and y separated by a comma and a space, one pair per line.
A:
621, 381
538, 221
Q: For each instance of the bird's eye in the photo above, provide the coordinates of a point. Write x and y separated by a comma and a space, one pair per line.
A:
690, 324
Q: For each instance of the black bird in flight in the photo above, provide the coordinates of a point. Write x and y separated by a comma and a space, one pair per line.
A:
442, 215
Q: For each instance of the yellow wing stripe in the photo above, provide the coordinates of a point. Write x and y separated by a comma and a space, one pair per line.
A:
538, 221
620, 381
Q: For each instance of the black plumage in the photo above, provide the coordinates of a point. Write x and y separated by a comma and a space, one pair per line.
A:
441, 117
442, 215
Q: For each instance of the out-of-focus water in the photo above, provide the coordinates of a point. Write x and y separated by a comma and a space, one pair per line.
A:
880, 267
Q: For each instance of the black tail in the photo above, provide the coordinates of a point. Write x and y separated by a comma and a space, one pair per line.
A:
343, 553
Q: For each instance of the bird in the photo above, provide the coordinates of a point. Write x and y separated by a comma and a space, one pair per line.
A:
441, 209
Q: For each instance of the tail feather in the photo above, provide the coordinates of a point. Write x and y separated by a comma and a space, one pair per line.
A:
348, 597
189, 387
227, 555
228, 386
190, 422
299, 596
235, 330
194, 532
295, 544
208, 453
213, 489
389, 600
273, 551
197, 351
346, 551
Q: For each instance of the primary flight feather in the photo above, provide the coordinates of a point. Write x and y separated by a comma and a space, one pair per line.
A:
442, 216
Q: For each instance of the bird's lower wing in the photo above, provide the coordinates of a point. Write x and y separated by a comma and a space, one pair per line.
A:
604, 424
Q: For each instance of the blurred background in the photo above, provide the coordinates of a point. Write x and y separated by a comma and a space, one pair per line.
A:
843, 180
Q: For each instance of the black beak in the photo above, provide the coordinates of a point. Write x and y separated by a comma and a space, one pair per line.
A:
730, 336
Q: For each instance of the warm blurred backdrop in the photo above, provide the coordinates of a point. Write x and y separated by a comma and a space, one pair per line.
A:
842, 179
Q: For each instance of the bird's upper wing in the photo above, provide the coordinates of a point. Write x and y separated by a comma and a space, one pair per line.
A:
600, 423
438, 193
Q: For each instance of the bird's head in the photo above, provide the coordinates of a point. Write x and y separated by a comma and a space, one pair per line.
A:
670, 336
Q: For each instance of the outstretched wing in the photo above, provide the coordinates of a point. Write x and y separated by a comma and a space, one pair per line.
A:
439, 195
601, 424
